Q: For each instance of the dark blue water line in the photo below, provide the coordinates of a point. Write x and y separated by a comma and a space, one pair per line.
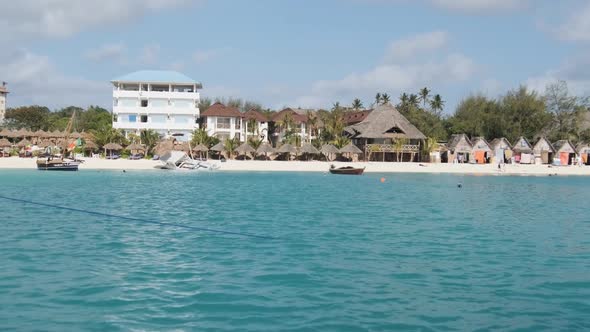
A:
147, 221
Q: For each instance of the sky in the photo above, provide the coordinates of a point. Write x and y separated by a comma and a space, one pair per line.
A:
296, 53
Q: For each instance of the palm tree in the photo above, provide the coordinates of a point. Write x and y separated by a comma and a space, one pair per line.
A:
251, 127
286, 125
312, 122
385, 98
437, 104
424, 94
200, 136
357, 104
378, 98
255, 142
341, 142
230, 146
149, 138
413, 100
430, 145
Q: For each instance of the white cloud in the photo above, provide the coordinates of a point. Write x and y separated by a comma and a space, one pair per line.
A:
576, 26
574, 70
481, 6
416, 46
62, 18
107, 52
33, 79
441, 69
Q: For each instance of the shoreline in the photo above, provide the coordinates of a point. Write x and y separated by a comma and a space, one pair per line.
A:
320, 166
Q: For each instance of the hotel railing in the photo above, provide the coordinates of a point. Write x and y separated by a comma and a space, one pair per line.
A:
406, 148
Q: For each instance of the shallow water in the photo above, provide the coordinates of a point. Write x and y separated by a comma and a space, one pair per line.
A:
349, 252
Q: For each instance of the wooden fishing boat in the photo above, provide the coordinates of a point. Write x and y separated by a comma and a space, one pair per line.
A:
56, 164
347, 170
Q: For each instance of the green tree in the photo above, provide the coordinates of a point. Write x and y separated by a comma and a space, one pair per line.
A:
33, 117
437, 104
413, 100
385, 98
566, 111
522, 113
230, 145
398, 146
424, 96
149, 138
378, 98
478, 116
357, 104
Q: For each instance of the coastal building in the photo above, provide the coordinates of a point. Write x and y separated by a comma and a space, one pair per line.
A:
565, 151
165, 101
223, 122
502, 150
352, 118
3, 94
543, 151
459, 149
255, 124
288, 121
523, 152
481, 151
387, 135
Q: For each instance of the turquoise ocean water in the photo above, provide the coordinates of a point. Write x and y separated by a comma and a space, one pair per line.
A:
348, 254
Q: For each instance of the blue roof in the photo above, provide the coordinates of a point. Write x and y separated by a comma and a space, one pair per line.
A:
156, 76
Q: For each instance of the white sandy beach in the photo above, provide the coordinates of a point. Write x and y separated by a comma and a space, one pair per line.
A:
319, 166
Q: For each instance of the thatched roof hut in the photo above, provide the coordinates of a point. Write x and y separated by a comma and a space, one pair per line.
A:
5, 132
500, 144
113, 146
4, 143
200, 148
183, 146
460, 143
522, 145
245, 148
40, 134
287, 148
136, 147
164, 147
13, 134
564, 146
90, 145
351, 148
219, 147
23, 133
384, 122
309, 149
329, 149
482, 151
583, 148
23, 143
45, 143
265, 149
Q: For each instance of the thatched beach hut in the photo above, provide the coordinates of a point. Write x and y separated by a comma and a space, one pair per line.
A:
459, 149
523, 151
5, 132
566, 152
543, 151
583, 150
352, 151
481, 151
502, 150
308, 150
381, 129
23, 143
5, 146
112, 147
200, 148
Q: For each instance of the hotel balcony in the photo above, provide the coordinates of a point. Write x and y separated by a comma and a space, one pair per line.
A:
155, 94
156, 110
156, 126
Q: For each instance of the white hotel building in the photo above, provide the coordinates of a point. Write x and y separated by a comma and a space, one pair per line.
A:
3, 94
165, 101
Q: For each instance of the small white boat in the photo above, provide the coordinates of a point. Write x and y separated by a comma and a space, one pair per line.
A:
178, 160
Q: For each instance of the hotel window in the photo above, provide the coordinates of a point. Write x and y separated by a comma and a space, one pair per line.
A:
132, 118
144, 103
238, 123
143, 118
115, 118
223, 123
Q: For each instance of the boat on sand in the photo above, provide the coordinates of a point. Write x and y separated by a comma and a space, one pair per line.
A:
178, 160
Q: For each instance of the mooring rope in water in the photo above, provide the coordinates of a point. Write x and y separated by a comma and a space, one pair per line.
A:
147, 221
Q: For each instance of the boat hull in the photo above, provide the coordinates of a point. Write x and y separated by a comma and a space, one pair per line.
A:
347, 171
54, 165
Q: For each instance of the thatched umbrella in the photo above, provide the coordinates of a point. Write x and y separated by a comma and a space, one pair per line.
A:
182, 147
329, 149
90, 145
308, 149
4, 143
40, 134
244, 149
200, 148
23, 143
287, 148
45, 143
23, 133
76, 135
351, 148
219, 147
112, 147
164, 147
13, 134
135, 147
5, 132
266, 149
